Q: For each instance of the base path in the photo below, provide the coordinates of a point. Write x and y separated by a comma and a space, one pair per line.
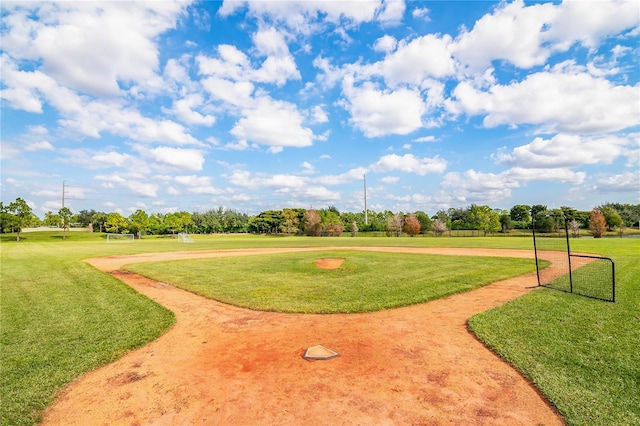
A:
223, 365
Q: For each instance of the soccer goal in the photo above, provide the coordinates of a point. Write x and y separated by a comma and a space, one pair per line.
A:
586, 275
120, 238
183, 237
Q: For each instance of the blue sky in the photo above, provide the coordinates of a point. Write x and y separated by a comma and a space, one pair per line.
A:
167, 106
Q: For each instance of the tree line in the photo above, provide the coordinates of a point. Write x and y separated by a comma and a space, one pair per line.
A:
329, 221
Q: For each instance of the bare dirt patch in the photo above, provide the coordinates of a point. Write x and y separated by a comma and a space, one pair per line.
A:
222, 365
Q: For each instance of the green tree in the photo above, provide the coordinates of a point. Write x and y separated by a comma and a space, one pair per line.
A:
116, 224
538, 208
520, 213
484, 218
177, 222
21, 215
139, 222
330, 222
65, 217
425, 221
52, 219
611, 217
505, 221
85, 217
290, 222
99, 220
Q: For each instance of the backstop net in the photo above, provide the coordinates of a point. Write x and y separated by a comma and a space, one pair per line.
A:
590, 276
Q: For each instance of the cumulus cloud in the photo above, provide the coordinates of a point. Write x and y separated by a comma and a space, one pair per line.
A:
563, 102
306, 17
63, 37
296, 188
416, 60
177, 158
623, 182
527, 36
277, 124
383, 112
409, 163
185, 110
564, 151
132, 182
197, 184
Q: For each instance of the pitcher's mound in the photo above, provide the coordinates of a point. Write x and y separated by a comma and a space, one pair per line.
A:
330, 263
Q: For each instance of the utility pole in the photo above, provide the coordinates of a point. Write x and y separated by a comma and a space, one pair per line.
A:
63, 187
366, 213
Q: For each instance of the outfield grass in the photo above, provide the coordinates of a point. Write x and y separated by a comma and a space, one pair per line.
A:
583, 354
366, 282
59, 318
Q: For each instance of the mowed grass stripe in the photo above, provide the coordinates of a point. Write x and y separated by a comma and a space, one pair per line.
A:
367, 281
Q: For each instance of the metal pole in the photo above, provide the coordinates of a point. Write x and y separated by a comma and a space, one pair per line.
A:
566, 233
535, 249
366, 213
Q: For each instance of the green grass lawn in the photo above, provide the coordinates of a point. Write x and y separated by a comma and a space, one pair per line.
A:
59, 318
367, 281
583, 354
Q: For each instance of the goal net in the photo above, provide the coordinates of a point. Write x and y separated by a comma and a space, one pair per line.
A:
120, 238
183, 237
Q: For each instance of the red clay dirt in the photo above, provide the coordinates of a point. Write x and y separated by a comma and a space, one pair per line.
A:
223, 365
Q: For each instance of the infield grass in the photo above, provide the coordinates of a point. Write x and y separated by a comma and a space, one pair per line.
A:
59, 318
367, 281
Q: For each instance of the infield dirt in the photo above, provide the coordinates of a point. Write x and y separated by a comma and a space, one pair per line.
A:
223, 365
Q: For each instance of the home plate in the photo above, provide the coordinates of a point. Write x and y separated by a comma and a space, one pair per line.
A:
319, 352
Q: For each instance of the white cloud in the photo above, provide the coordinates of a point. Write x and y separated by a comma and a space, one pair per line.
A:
408, 163
318, 115
307, 168
390, 179
512, 32
417, 60
39, 146
421, 13
279, 65
564, 151
526, 36
572, 103
232, 93
385, 44
276, 124
383, 112
184, 109
112, 159
198, 184
64, 37
424, 139
297, 188
178, 158
556, 175
477, 187
132, 182
590, 22
233, 64
624, 182
306, 17
348, 177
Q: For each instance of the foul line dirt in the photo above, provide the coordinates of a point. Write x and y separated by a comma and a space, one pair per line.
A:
222, 365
